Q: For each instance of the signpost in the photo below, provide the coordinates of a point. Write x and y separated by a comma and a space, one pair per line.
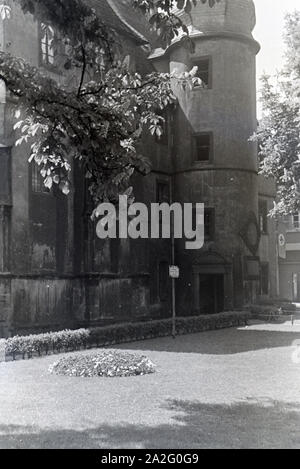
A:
174, 273
282, 246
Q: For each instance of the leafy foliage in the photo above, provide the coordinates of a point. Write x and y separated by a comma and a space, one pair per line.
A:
279, 131
99, 119
162, 15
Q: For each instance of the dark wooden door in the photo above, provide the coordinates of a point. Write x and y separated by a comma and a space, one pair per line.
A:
211, 292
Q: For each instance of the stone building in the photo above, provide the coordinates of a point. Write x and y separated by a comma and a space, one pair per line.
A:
289, 257
54, 272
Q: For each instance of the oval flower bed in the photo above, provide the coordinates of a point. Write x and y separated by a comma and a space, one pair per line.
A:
109, 363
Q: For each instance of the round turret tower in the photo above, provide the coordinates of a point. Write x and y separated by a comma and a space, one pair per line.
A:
214, 161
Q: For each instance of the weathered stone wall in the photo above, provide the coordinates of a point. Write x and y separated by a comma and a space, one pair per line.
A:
228, 183
268, 243
59, 274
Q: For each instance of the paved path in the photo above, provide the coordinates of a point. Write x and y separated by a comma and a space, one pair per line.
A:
232, 388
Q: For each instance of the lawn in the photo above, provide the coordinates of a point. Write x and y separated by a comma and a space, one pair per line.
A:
235, 388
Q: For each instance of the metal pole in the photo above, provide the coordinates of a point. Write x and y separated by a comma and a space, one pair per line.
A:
173, 309
173, 263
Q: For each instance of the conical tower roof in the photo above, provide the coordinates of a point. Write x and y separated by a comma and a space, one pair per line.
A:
233, 16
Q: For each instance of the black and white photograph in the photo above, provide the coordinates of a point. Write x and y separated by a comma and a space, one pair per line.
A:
149, 227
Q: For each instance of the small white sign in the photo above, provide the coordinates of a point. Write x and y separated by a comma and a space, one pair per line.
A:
174, 271
282, 246
281, 239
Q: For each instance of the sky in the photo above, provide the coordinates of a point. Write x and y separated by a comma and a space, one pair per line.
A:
269, 33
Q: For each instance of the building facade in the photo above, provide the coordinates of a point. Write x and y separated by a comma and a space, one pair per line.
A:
54, 272
289, 257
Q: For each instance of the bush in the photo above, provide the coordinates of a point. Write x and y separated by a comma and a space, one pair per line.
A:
262, 310
110, 364
103, 336
43, 343
288, 307
161, 328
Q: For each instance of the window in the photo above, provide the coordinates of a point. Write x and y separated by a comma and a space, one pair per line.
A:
37, 181
163, 278
162, 196
115, 245
252, 268
209, 224
296, 220
162, 192
47, 36
264, 279
263, 216
202, 147
5, 213
5, 176
204, 72
164, 138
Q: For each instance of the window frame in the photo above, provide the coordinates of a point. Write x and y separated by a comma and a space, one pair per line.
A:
164, 139
37, 179
54, 67
247, 266
195, 62
212, 212
6, 168
195, 148
294, 215
208, 237
264, 265
263, 216
162, 182
163, 283
45, 54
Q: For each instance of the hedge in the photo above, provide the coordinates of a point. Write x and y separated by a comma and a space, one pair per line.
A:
67, 340
162, 328
45, 343
265, 310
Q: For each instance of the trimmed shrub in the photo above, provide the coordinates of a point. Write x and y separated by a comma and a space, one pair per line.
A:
44, 343
102, 336
264, 310
67, 340
288, 307
277, 301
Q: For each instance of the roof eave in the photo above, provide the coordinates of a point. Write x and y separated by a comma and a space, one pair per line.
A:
131, 30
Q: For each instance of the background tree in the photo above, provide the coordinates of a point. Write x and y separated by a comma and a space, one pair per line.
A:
100, 120
279, 130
